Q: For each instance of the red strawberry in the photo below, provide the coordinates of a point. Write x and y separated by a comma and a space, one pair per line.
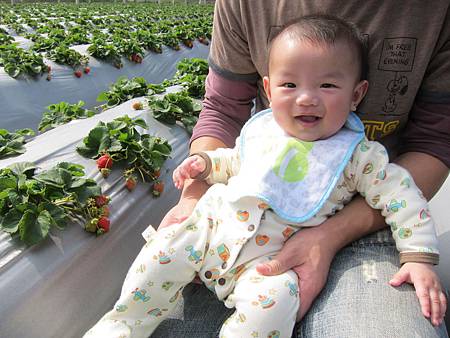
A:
130, 183
101, 200
87, 70
158, 188
78, 73
138, 106
49, 77
103, 224
104, 161
49, 68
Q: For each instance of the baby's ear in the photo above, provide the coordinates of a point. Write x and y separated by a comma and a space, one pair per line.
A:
266, 83
359, 92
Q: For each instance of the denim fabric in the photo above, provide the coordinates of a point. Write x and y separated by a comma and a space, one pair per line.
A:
356, 302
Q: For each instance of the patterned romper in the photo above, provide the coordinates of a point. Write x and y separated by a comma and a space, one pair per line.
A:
224, 239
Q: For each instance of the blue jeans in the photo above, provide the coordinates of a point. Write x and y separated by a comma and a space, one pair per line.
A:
357, 301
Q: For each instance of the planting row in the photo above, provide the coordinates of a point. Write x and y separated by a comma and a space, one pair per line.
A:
179, 106
111, 31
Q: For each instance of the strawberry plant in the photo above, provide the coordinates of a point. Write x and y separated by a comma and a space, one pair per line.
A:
43, 44
118, 141
62, 113
32, 203
148, 40
106, 52
11, 144
17, 61
123, 90
5, 39
65, 55
191, 74
175, 107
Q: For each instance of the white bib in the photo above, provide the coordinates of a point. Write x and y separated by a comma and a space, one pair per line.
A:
293, 177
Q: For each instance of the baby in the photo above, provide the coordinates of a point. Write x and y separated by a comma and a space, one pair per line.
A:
293, 166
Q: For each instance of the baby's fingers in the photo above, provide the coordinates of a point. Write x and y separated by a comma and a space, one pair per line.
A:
436, 310
438, 306
424, 299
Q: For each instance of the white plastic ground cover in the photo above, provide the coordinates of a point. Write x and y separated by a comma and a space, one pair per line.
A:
24, 100
60, 287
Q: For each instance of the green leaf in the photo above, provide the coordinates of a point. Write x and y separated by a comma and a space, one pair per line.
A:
98, 140
90, 189
10, 222
25, 132
7, 183
57, 214
26, 168
53, 177
103, 96
33, 228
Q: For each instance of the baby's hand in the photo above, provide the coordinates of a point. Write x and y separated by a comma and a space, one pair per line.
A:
189, 168
428, 289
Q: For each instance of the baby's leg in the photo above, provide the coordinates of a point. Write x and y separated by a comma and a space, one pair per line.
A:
154, 282
265, 306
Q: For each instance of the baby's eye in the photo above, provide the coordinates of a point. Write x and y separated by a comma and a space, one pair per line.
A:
328, 85
289, 85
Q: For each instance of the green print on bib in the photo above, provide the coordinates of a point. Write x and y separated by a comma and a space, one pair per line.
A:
292, 164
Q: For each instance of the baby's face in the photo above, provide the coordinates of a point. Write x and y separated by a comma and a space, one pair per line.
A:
313, 87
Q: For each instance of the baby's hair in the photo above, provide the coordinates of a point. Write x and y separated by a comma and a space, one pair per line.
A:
326, 29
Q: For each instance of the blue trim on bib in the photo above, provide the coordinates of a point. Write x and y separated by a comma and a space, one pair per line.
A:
353, 124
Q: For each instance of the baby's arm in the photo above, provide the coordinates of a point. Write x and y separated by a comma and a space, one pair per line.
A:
191, 167
215, 166
389, 187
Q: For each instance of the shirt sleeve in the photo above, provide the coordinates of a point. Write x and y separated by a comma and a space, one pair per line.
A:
428, 127
226, 108
428, 130
390, 188
230, 52
225, 163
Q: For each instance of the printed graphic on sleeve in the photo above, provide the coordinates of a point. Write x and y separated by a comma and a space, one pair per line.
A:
397, 56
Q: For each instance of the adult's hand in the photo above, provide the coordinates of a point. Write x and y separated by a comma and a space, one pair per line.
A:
309, 254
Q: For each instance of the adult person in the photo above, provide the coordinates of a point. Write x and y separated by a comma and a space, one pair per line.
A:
407, 109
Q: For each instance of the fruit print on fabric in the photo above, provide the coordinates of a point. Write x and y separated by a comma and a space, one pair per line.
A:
243, 215
292, 164
262, 240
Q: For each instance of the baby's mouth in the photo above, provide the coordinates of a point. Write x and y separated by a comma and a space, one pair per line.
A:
307, 118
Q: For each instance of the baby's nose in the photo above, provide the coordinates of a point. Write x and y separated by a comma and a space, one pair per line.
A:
307, 98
